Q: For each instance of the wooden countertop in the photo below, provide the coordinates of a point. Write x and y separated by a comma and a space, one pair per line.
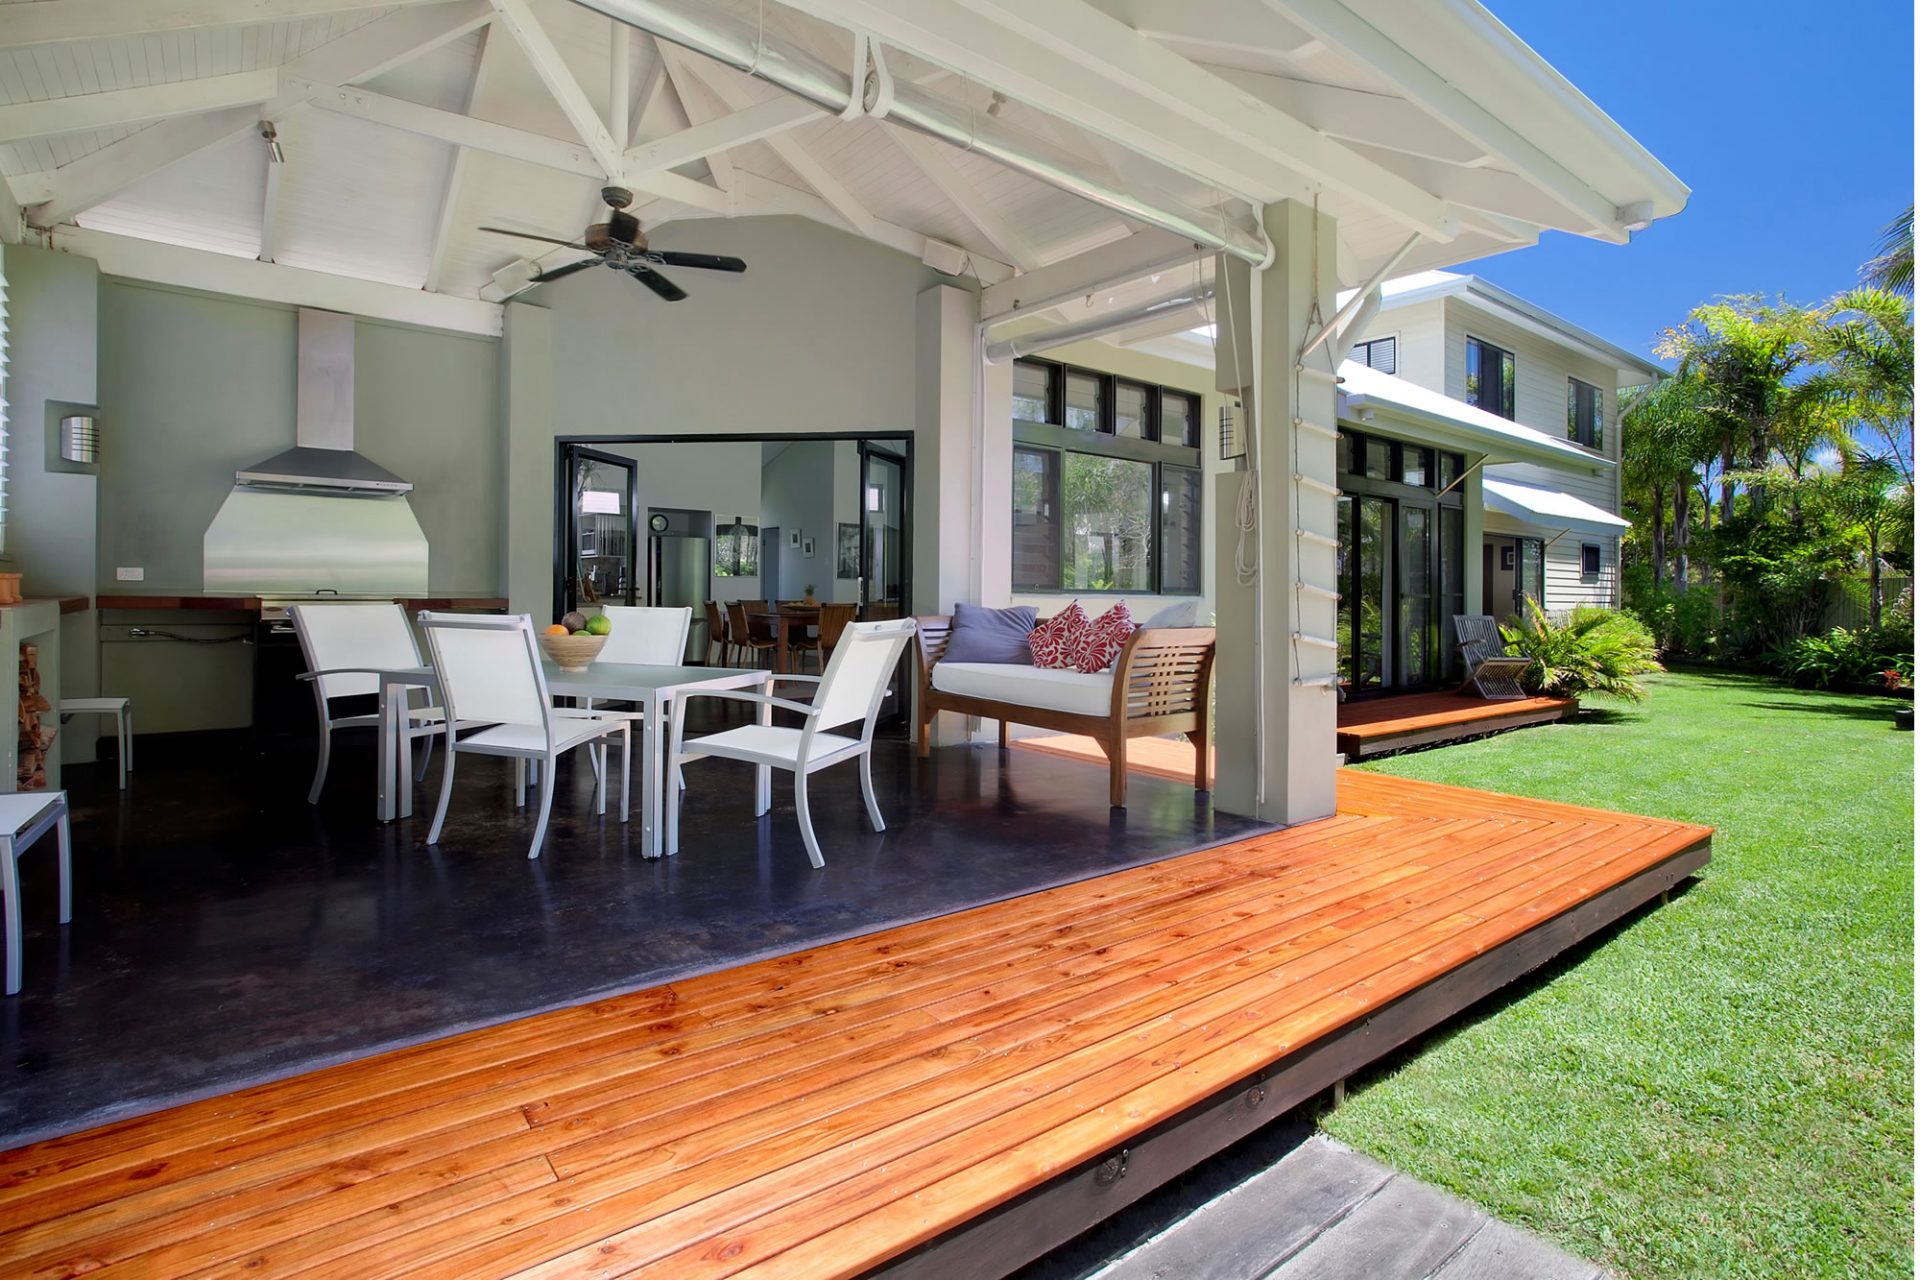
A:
68, 604
251, 604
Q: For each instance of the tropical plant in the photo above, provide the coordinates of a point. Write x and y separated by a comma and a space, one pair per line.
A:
1594, 651
1666, 434
1844, 658
1685, 624
1867, 341
1892, 267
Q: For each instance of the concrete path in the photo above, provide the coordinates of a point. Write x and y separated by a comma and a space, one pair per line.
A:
1326, 1212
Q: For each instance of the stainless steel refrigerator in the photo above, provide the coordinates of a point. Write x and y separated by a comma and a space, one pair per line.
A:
679, 570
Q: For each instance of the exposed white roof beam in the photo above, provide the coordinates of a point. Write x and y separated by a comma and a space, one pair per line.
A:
504, 140
52, 21
11, 219
929, 157
689, 91
1355, 115
1129, 258
379, 46
1069, 59
446, 229
649, 103
184, 268
1340, 26
754, 194
553, 72
729, 86
619, 83
81, 112
704, 141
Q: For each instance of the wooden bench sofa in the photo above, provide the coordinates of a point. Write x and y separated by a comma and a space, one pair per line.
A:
1160, 684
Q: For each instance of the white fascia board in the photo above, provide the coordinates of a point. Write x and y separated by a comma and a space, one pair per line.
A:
1549, 508
1381, 401
55, 21
197, 269
1114, 263
78, 113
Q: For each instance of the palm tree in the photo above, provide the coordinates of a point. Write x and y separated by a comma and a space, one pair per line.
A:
1892, 267
1665, 435
1867, 342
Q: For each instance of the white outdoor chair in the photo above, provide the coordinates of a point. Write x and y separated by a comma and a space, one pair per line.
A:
25, 818
850, 690
350, 641
121, 709
489, 672
649, 636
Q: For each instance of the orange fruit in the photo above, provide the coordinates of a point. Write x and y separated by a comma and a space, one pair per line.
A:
557, 630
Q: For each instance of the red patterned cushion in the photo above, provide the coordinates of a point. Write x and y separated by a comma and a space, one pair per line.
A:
1103, 639
1056, 642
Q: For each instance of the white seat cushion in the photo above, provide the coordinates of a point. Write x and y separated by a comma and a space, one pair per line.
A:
1074, 692
94, 706
531, 738
766, 741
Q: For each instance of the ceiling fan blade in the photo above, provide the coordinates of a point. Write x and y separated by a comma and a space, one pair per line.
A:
655, 281
567, 270
528, 235
705, 261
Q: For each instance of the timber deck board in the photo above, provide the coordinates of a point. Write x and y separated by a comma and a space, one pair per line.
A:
1368, 727
820, 1113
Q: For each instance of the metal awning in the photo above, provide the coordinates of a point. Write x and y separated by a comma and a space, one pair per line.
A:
1550, 507
1368, 397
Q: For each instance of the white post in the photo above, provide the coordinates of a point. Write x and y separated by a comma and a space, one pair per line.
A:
944, 461
1275, 729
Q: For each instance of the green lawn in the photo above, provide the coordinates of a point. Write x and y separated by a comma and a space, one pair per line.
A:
1724, 1085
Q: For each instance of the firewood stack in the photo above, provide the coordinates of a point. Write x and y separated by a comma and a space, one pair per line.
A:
35, 736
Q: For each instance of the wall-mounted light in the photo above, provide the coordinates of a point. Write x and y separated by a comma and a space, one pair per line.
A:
873, 497
80, 439
272, 137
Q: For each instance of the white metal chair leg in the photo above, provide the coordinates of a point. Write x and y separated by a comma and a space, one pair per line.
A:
626, 771
866, 790
126, 749
126, 742
446, 792
597, 750
519, 783
540, 827
806, 819
420, 771
320, 770
66, 868
10, 889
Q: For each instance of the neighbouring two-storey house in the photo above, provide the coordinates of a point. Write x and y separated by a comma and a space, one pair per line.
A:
1477, 462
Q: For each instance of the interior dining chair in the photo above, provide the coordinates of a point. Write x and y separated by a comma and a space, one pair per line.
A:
352, 640
719, 643
849, 691
834, 619
650, 636
489, 671
756, 638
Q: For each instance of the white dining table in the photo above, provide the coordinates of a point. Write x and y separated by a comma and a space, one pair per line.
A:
651, 688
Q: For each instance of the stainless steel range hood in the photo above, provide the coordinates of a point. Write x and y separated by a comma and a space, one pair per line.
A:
322, 459
318, 517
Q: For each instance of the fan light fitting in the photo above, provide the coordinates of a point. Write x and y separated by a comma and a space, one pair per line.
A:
272, 137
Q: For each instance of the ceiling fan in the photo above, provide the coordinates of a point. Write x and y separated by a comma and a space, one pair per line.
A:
619, 243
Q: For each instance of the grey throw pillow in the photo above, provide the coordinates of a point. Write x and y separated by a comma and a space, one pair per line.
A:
1180, 613
990, 635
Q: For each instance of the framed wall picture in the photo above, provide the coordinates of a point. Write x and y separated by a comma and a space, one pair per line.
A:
806, 547
793, 539
847, 552
1506, 558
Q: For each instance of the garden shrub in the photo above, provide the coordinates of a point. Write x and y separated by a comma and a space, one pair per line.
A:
1593, 651
1843, 658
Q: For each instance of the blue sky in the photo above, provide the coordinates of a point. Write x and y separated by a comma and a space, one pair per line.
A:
1793, 124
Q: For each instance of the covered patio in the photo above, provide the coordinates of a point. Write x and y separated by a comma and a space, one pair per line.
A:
290, 1033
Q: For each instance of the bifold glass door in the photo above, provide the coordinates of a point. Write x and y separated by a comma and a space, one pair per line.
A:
1366, 602
1401, 581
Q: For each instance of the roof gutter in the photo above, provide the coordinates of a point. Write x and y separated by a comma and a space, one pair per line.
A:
784, 63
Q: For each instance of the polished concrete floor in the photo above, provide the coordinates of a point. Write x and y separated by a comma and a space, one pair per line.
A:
226, 932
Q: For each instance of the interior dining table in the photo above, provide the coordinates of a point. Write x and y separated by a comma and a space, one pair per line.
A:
783, 620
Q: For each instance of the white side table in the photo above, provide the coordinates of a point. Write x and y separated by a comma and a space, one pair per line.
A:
121, 709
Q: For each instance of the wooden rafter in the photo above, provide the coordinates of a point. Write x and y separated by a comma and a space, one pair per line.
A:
691, 95
552, 69
444, 229
55, 21
81, 112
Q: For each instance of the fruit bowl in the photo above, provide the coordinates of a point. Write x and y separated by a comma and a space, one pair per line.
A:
572, 653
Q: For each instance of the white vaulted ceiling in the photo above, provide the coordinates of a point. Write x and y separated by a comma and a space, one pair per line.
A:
406, 127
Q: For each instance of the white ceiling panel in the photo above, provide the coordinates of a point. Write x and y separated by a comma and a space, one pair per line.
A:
209, 201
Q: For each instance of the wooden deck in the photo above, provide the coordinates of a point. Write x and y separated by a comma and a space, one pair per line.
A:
1372, 726
948, 1095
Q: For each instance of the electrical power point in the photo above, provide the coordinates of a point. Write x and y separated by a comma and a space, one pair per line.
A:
129, 575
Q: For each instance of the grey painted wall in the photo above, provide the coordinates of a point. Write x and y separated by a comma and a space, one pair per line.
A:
53, 306
817, 336
197, 385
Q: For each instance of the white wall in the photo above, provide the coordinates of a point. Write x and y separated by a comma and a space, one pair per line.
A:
800, 488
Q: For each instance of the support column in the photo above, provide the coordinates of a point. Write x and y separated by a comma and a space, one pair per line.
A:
1275, 705
945, 457
526, 363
